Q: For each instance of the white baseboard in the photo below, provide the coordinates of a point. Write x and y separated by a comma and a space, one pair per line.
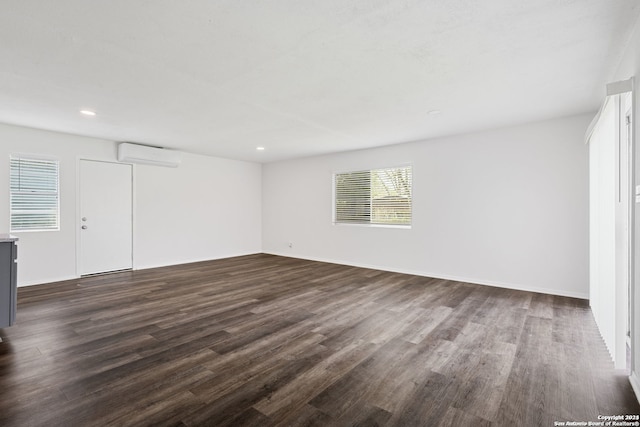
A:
43, 282
137, 267
635, 384
475, 281
362, 265
140, 267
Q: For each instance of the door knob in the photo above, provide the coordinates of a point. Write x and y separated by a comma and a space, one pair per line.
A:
84, 227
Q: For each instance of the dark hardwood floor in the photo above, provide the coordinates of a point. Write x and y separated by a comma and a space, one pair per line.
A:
263, 340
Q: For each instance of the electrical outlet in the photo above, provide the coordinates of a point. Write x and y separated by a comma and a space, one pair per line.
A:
290, 244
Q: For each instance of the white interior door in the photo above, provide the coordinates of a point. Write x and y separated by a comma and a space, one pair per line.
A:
609, 216
105, 217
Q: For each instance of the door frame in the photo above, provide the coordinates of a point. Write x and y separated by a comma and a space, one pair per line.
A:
632, 200
78, 222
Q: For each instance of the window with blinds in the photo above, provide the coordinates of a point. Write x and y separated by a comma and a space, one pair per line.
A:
376, 196
34, 194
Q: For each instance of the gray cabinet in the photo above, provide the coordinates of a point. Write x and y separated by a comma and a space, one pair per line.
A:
8, 280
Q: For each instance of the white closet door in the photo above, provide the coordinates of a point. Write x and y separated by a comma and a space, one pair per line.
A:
105, 217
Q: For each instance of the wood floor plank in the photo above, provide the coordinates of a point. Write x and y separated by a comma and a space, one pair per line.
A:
427, 406
263, 340
455, 417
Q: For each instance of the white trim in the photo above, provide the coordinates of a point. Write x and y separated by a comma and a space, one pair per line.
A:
52, 280
512, 286
620, 87
615, 88
376, 225
634, 245
134, 216
592, 125
370, 168
635, 385
547, 291
146, 267
193, 260
44, 157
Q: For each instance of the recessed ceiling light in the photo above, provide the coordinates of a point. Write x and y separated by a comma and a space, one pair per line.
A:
260, 148
88, 112
434, 112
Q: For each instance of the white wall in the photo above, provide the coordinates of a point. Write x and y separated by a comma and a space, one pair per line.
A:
207, 208
507, 207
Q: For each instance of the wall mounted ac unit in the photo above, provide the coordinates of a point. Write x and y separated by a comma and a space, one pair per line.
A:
134, 153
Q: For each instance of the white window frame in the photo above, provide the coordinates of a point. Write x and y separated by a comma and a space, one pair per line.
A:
334, 213
13, 193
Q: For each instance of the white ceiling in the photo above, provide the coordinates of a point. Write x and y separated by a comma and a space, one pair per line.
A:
302, 77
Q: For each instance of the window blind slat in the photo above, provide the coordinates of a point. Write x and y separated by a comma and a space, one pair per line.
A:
377, 196
34, 193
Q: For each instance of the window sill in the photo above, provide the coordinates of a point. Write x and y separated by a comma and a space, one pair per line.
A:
344, 224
